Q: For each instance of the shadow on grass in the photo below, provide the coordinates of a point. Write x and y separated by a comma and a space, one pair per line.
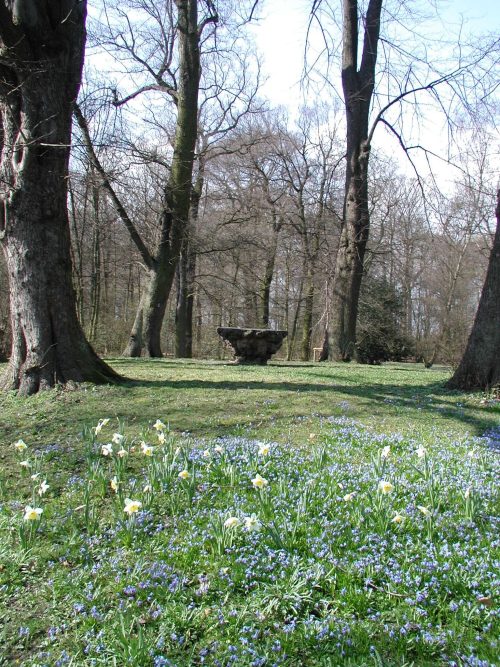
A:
420, 397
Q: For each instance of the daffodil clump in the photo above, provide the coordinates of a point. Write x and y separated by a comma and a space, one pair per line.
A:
354, 549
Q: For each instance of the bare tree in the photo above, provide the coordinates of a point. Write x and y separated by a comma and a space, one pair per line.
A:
310, 157
408, 74
41, 58
228, 98
174, 72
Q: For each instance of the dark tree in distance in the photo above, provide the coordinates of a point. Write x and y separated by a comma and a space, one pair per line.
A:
41, 59
479, 368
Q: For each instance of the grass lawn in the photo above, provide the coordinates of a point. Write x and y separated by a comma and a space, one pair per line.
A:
295, 514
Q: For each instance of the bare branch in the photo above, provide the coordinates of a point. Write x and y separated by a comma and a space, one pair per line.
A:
120, 209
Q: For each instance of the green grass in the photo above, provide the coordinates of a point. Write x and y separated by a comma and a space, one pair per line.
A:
327, 577
213, 398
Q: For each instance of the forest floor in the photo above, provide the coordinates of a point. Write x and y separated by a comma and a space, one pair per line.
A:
294, 514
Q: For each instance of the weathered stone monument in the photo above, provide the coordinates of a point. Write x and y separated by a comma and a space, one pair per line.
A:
252, 346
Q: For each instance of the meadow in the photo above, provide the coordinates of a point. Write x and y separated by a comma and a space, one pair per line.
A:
207, 514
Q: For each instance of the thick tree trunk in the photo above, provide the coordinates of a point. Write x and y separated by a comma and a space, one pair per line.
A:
145, 337
39, 81
358, 90
480, 365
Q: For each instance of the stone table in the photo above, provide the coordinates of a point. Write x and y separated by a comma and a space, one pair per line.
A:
252, 346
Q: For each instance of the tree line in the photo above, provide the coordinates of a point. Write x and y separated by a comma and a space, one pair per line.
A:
215, 210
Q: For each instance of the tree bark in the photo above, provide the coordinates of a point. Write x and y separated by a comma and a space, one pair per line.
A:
358, 85
186, 271
42, 50
308, 312
293, 334
265, 292
480, 365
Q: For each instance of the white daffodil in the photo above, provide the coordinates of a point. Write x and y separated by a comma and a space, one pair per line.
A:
425, 511
146, 449
44, 487
100, 425
252, 524
421, 452
232, 522
398, 518
20, 445
184, 474
114, 483
107, 450
386, 452
264, 450
259, 482
385, 487
159, 425
122, 452
349, 496
32, 513
132, 506
117, 438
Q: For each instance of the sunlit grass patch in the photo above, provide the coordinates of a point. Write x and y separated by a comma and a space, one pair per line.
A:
352, 549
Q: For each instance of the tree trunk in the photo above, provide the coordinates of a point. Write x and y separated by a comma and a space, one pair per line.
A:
480, 365
95, 268
177, 194
76, 252
265, 292
145, 337
293, 334
39, 81
185, 304
308, 313
186, 273
358, 90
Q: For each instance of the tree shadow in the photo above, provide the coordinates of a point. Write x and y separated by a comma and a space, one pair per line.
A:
423, 397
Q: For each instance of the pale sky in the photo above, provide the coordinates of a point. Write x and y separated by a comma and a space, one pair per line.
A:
280, 38
280, 34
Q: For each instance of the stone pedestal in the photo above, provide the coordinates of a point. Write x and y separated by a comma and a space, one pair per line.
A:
252, 346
